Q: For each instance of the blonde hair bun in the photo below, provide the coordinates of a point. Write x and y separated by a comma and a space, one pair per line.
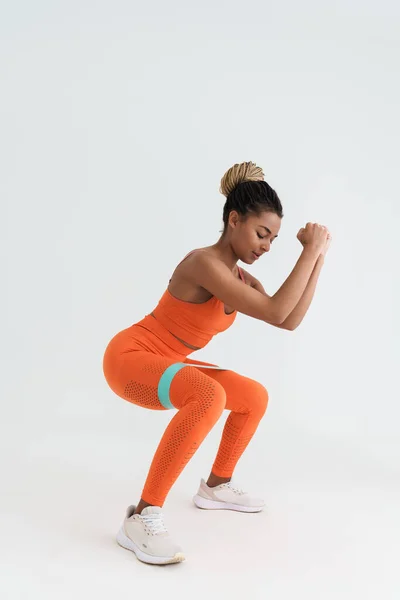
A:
240, 172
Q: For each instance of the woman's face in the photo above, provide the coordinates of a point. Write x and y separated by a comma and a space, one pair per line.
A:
253, 235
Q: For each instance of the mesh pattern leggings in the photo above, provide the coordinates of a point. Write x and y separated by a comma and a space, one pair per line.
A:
200, 397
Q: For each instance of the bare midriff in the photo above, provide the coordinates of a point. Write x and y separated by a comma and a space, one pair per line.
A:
182, 341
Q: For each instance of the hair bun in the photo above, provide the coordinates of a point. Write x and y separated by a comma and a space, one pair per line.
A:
240, 172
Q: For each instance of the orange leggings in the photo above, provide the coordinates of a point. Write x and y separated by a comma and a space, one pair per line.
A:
136, 359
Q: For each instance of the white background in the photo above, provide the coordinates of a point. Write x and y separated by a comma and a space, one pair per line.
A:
118, 120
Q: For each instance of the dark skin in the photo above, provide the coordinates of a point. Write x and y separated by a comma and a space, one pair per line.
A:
213, 271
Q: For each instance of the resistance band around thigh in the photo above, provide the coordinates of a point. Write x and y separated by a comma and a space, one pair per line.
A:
166, 378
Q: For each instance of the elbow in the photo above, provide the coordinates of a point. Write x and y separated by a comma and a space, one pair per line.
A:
275, 319
285, 323
275, 314
279, 319
290, 326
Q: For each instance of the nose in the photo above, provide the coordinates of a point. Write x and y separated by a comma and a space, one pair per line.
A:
266, 247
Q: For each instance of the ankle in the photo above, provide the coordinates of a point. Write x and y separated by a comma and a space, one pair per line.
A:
215, 480
141, 506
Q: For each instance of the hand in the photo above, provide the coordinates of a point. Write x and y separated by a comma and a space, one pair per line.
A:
314, 236
328, 243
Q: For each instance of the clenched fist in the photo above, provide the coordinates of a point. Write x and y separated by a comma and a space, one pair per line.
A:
316, 236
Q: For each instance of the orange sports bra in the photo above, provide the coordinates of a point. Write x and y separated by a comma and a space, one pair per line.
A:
195, 323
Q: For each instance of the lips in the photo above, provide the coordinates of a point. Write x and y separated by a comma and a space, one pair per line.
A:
256, 255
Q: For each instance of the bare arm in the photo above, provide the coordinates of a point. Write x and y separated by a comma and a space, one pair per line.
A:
292, 289
294, 319
298, 313
214, 276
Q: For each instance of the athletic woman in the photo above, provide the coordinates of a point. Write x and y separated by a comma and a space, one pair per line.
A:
148, 365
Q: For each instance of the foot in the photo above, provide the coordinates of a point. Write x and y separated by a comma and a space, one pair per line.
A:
147, 536
226, 496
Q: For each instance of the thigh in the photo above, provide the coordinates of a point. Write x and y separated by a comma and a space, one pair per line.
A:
160, 382
242, 393
135, 376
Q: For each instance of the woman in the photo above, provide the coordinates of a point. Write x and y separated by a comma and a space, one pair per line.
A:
148, 365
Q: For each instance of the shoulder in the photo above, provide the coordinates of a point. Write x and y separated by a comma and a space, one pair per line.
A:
201, 262
202, 257
253, 281
248, 277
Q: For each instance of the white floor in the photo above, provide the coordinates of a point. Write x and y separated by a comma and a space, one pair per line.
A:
331, 529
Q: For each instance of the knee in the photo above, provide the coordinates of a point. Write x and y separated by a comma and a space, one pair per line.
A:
259, 398
215, 399
205, 394
211, 402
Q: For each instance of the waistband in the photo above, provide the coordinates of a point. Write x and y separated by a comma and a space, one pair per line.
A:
151, 324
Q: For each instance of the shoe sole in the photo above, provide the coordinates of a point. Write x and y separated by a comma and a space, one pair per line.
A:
206, 504
128, 544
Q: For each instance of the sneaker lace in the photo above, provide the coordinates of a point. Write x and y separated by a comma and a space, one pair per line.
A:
154, 524
235, 489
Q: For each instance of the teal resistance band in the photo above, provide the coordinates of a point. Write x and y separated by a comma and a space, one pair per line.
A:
166, 379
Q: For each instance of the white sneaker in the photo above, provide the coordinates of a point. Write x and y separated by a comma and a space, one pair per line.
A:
226, 496
147, 536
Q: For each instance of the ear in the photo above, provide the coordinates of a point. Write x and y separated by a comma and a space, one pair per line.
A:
233, 218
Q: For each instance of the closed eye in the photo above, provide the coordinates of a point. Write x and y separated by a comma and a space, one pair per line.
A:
261, 236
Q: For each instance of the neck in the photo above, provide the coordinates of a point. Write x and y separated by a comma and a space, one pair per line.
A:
225, 252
